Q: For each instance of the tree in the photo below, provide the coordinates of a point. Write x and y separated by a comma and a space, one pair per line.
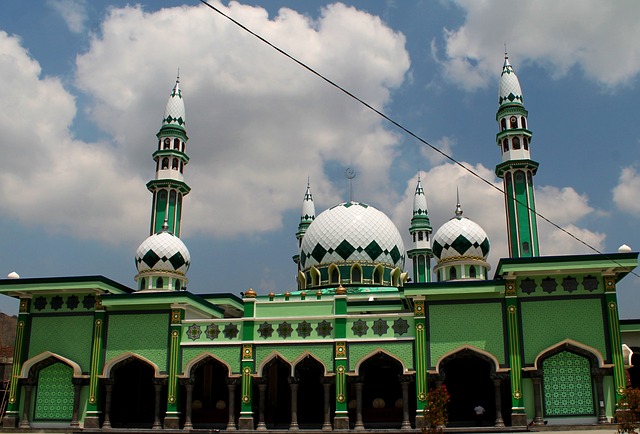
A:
435, 412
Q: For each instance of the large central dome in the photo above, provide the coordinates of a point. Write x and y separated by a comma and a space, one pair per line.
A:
352, 232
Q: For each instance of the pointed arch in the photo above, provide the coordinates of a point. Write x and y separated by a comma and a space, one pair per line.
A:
303, 356
42, 357
378, 275
493, 360
334, 275
315, 276
110, 364
302, 280
202, 358
594, 355
272, 357
356, 273
395, 277
376, 352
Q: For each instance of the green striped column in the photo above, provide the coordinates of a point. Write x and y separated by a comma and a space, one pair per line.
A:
20, 351
518, 416
341, 419
247, 364
421, 360
92, 418
172, 417
619, 377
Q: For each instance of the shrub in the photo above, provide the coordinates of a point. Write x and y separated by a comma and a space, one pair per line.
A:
435, 412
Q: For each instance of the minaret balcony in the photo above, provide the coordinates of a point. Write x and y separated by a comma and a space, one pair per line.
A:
505, 166
169, 174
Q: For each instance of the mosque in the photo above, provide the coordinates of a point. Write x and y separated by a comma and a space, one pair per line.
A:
357, 345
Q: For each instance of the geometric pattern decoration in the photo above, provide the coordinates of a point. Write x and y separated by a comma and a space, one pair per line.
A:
568, 387
304, 329
284, 330
212, 331
400, 326
54, 398
174, 113
359, 328
230, 331
352, 231
528, 286
460, 237
89, 301
193, 332
163, 251
569, 284
509, 91
40, 303
380, 327
324, 329
590, 283
549, 285
265, 330
56, 302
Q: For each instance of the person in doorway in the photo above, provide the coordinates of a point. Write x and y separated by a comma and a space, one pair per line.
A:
479, 410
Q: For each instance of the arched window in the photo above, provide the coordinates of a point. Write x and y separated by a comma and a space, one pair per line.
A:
143, 283
178, 286
167, 143
165, 163
395, 278
503, 124
523, 121
315, 277
414, 237
159, 283
181, 167
453, 274
176, 144
516, 143
335, 275
420, 236
174, 164
513, 122
159, 144
356, 274
505, 145
377, 276
183, 146
525, 143
472, 271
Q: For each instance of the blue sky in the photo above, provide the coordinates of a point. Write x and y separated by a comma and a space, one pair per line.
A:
85, 84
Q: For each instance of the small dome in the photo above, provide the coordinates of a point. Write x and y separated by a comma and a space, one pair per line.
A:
460, 238
624, 248
163, 251
352, 232
509, 91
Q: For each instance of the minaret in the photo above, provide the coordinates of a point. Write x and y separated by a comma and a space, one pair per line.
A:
162, 260
168, 187
307, 216
517, 169
420, 230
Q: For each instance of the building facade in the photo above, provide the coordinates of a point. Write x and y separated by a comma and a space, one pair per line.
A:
357, 345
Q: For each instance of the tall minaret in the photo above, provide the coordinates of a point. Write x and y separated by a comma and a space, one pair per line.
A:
168, 187
517, 169
307, 215
420, 231
162, 260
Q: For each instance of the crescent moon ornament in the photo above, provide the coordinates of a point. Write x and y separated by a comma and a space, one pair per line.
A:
350, 173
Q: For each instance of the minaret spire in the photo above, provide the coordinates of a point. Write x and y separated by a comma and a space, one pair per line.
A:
516, 169
168, 187
307, 215
420, 231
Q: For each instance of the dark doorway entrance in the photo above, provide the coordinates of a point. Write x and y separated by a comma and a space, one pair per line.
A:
133, 396
382, 393
309, 374
210, 404
634, 372
278, 394
468, 380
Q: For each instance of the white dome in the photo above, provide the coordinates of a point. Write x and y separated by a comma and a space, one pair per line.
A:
509, 91
353, 232
163, 251
460, 238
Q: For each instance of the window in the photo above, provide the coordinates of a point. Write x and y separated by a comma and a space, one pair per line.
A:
453, 274
414, 237
525, 143
516, 143
505, 145
420, 236
513, 122
181, 167
356, 274
523, 121
143, 283
176, 144
503, 124
174, 164
377, 276
159, 144
167, 143
472, 271
335, 276
159, 283
165, 163
178, 286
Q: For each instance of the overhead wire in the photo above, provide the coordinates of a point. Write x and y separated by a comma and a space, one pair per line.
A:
404, 129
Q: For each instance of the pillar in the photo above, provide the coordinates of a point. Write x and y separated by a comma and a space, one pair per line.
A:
518, 416
108, 388
341, 418
93, 413
188, 409
157, 385
497, 387
326, 385
359, 424
538, 418
262, 389
26, 408
421, 350
598, 375
293, 384
172, 413
77, 388
405, 380
231, 385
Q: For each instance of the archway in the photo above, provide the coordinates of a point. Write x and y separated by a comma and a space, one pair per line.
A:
381, 392
467, 376
309, 373
210, 399
634, 371
133, 394
567, 384
54, 391
277, 405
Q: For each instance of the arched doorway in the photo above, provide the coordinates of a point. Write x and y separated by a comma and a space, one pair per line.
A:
277, 405
382, 402
133, 394
634, 371
309, 374
467, 375
567, 385
210, 398
54, 391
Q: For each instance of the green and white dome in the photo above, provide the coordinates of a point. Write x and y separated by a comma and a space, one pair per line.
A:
163, 251
509, 91
352, 232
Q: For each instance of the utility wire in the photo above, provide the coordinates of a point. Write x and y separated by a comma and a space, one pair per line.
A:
406, 130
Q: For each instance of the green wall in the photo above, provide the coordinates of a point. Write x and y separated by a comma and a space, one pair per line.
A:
227, 354
67, 336
401, 350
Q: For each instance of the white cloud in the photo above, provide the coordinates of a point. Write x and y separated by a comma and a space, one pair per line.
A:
73, 12
598, 37
258, 124
626, 195
444, 144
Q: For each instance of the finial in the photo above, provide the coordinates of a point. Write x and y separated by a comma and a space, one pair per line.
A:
506, 56
458, 207
178, 76
165, 225
350, 174
308, 182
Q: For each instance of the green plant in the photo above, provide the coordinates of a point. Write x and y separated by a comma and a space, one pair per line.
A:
628, 412
435, 412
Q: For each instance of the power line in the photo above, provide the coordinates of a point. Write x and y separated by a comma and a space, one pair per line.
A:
406, 130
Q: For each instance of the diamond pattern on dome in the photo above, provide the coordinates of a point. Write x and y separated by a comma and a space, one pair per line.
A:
460, 237
174, 112
461, 244
395, 254
150, 258
177, 260
509, 88
373, 250
345, 249
163, 251
318, 253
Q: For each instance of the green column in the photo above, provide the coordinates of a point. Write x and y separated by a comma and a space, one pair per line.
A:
92, 418
172, 417
518, 416
20, 351
615, 341
247, 364
341, 419
421, 360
